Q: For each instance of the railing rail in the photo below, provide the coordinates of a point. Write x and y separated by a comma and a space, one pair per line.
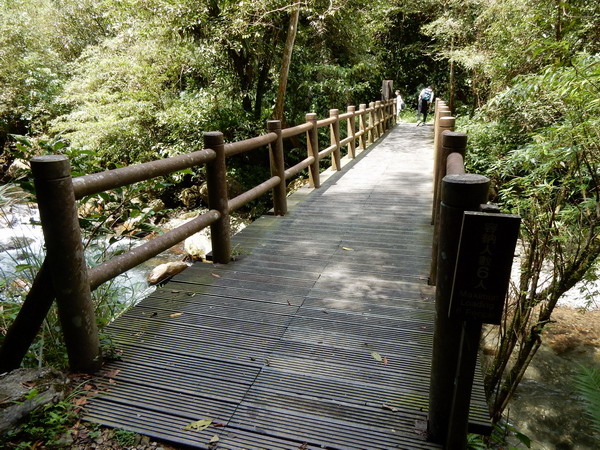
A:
64, 274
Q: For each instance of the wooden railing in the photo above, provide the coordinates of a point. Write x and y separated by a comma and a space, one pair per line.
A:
64, 275
456, 336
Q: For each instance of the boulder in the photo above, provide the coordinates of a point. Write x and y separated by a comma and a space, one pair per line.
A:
167, 270
18, 397
197, 246
18, 167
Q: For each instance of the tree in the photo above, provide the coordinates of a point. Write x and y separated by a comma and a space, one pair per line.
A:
550, 177
285, 65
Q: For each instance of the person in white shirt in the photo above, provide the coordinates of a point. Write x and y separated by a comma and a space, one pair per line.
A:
399, 104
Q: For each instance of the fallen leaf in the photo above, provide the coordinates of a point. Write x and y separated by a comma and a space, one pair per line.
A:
214, 439
385, 361
349, 249
217, 425
376, 356
88, 387
216, 275
111, 381
112, 373
199, 425
391, 408
176, 314
81, 401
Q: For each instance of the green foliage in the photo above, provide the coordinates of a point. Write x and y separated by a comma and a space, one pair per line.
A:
504, 436
48, 424
124, 438
587, 381
538, 143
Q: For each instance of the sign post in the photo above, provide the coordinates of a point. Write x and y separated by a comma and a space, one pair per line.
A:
483, 264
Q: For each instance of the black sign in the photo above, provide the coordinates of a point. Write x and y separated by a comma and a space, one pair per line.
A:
485, 254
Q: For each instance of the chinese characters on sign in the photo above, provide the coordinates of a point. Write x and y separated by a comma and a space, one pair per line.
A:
485, 253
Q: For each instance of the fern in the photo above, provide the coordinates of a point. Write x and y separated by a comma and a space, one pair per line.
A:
587, 382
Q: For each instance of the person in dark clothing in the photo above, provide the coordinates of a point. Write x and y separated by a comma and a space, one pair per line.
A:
425, 99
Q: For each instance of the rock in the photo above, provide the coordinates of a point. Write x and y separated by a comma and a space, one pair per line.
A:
17, 384
190, 197
16, 243
197, 246
156, 205
17, 167
167, 270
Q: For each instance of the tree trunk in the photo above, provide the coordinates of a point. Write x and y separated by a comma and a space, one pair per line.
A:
285, 63
451, 80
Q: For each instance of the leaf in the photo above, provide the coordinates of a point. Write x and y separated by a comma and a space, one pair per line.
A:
391, 408
199, 425
385, 361
376, 356
80, 401
216, 275
214, 439
112, 373
349, 249
525, 440
177, 314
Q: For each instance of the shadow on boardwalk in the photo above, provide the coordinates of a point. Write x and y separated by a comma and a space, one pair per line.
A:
280, 348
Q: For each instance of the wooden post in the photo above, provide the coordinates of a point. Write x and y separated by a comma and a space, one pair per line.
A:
371, 134
21, 333
66, 260
458, 423
277, 169
459, 193
441, 111
443, 124
334, 132
312, 142
362, 140
216, 181
379, 118
452, 143
352, 132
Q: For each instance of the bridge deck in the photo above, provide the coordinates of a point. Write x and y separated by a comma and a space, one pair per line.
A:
277, 348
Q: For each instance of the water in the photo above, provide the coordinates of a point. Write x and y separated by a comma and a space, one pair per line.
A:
22, 244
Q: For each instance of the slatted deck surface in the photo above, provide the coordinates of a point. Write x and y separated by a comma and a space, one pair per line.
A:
276, 347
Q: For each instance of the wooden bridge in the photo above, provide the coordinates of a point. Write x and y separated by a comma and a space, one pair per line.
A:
319, 335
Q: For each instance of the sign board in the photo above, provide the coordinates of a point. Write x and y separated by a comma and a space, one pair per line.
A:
485, 254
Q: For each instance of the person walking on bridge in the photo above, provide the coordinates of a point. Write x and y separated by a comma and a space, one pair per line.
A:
399, 104
425, 99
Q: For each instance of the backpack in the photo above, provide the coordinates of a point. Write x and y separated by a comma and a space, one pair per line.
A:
426, 95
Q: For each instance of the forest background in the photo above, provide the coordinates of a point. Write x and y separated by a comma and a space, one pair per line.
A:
112, 83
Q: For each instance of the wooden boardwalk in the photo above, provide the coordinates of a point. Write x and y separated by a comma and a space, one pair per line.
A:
277, 348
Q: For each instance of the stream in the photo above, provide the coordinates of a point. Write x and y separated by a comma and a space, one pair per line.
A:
22, 249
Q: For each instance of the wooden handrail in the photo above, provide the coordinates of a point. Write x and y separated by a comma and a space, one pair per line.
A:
82, 342
249, 144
